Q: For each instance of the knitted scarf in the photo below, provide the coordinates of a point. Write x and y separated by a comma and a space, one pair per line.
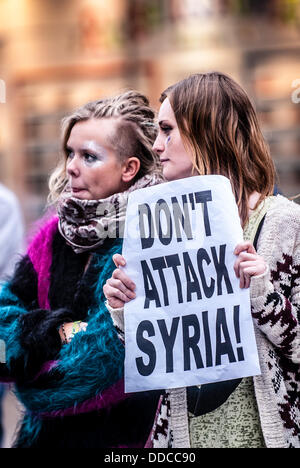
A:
86, 224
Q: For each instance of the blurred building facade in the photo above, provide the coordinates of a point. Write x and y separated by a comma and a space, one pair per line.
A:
57, 54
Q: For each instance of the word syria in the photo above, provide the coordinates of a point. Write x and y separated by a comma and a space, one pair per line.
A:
183, 266
193, 333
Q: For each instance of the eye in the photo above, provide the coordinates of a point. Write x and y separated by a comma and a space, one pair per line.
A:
90, 158
69, 153
166, 129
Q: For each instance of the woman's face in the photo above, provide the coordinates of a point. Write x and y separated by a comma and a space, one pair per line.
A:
175, 159
93, 168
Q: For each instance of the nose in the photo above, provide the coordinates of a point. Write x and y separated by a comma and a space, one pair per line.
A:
158, 145
73, 167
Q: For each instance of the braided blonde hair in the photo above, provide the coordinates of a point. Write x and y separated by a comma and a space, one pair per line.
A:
136, 131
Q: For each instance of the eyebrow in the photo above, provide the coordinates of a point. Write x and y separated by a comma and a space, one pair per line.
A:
164, 121
82, 148
93, 146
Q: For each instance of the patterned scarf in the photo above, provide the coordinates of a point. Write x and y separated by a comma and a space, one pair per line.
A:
86, 224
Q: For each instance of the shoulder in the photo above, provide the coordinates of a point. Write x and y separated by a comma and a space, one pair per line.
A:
284, 214
285, 206
281, 230
44, 236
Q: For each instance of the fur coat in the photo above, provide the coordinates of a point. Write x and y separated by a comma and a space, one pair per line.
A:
73, 393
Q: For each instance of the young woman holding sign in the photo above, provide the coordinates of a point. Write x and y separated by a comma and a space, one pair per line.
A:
62, 350
207, 125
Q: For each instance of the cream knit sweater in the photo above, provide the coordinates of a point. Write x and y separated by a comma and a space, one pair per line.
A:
275, 301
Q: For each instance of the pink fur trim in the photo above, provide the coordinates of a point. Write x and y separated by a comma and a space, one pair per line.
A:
107, 398
47, 367
40, 254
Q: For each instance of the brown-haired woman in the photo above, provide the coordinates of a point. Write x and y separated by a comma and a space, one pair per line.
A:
62, 350
207, 125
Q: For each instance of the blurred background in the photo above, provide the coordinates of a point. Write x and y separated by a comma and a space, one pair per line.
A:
57, 54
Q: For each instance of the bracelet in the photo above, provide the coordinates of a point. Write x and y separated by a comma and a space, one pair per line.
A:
76, 328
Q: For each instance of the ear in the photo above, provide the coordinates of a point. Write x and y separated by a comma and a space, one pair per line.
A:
130, 169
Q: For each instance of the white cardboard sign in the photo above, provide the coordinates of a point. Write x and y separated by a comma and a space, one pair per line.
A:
190, 323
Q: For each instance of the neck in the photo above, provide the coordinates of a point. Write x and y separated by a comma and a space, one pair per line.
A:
253, 199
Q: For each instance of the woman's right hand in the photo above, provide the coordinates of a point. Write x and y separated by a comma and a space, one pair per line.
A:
119, 288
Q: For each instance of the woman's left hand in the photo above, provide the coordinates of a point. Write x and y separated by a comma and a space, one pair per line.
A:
248, 263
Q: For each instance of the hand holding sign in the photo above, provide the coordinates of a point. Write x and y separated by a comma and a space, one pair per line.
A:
119, 289
190, 322
248, 263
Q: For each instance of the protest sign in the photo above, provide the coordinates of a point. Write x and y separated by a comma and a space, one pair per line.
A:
190, 323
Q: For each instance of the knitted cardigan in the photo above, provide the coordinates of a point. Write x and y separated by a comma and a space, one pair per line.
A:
74, 393
275, 302
275, 305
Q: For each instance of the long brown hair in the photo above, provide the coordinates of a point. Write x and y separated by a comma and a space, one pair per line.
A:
219, 125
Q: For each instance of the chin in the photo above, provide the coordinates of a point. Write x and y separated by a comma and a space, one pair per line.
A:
171, 175
81, 196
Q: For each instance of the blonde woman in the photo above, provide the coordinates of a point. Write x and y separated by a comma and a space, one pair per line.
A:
62, 350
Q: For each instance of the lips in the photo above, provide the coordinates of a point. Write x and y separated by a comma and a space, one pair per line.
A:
76, 190
162, 161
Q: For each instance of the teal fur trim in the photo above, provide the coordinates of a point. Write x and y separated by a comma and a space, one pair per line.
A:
11, 309
91, 363
31, 426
